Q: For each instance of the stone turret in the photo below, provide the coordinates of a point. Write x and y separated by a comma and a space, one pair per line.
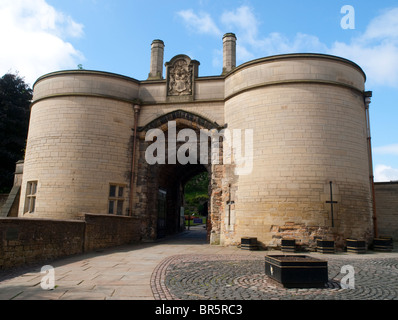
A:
229, 47
157, 53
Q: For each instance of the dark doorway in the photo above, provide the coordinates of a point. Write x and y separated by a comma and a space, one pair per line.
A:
172, 204
162, 213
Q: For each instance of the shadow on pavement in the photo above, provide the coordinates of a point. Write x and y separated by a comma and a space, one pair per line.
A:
195, 235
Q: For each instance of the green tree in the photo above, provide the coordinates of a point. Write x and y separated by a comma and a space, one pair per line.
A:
15, 100
196, 193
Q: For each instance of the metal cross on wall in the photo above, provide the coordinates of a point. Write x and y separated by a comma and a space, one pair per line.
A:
331, 201
229, 204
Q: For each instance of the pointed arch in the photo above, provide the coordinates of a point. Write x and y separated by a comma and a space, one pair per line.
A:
199, 120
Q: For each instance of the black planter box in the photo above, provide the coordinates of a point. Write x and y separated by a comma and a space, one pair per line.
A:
296, 271
325, 246
384, 244
356, 246
248, 243
288, 245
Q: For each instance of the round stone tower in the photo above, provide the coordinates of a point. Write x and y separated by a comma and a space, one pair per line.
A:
79, 144
307, 113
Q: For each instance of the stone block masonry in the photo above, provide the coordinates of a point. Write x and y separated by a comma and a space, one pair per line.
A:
387, 208
30, 241
104, 231
307, 113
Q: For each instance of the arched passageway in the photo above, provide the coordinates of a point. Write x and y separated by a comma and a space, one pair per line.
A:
171, 181
160, 204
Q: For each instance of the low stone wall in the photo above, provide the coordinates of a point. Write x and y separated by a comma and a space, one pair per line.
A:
387, 208
28, 241
104, 231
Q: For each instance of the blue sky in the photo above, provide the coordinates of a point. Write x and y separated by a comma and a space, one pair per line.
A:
42, 36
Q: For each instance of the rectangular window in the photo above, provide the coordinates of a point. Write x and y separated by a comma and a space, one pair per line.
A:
30, 199
116, 199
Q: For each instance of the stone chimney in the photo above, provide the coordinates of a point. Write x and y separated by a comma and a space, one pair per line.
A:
157, 53
229, 47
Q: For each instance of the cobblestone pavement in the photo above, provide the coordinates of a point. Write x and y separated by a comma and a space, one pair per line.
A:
186, 268
239, 277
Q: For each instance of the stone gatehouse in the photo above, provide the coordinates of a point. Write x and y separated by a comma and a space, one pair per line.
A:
308, 114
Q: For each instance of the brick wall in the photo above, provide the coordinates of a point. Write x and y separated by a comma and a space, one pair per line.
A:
28, 241
387, 208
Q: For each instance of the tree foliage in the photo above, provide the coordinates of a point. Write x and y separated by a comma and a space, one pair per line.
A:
15, 99
196, 194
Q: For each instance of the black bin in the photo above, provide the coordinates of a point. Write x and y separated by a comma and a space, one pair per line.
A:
384, 244
288, 245
325, 246
248, 243
356, 246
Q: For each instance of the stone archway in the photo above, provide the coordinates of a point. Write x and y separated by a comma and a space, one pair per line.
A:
159, 186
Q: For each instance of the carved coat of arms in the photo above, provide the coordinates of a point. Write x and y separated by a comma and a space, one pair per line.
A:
180, 79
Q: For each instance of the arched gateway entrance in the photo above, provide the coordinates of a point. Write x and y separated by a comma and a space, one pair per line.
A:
169, 156
170, 202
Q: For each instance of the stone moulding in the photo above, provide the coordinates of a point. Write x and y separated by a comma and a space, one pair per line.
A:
180, 114
292, 56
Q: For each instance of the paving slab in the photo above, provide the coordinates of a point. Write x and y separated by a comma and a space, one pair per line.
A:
184, 267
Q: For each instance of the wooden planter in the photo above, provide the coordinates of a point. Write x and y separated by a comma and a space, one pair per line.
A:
384, 244
248, 243
288, 245
296, 271
325, 246
356, 246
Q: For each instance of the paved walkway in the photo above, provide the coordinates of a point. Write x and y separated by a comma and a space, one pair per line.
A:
185, 267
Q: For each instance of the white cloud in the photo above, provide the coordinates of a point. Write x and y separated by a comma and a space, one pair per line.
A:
380, 62
244, 21
384, 26
33, 39
383, 173
391, 149
375, 50
202, 22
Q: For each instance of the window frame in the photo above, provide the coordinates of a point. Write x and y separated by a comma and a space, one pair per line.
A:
31, 196
116, 199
